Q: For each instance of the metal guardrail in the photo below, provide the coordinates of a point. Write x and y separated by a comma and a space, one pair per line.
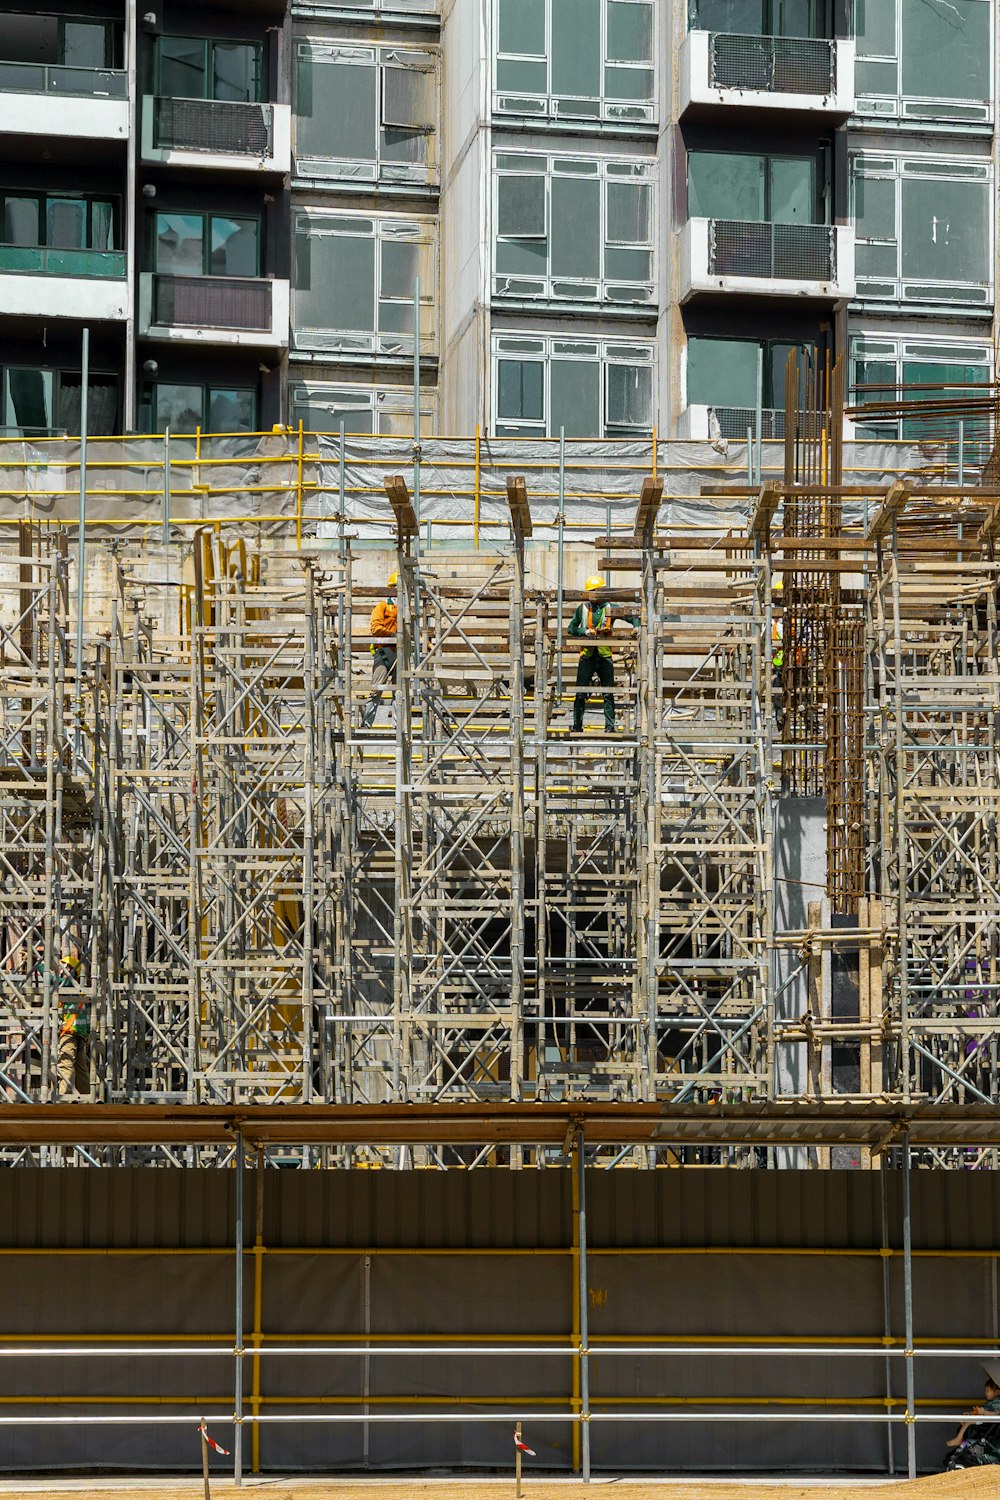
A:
51, 78
773, 64
213, 126
785, 252
241, 303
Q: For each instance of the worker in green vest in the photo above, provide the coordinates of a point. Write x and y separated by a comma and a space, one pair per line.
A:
596, 621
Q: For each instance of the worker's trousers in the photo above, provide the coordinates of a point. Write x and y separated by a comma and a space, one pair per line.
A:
383, 669
72, 1064
593, 664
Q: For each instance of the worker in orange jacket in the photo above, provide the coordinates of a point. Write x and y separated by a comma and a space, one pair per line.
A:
383, 627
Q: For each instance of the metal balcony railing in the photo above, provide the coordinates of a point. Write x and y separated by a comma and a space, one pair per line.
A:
773, 64
734, 422
214, 126
47, 261
779, 252
48, 78
239, 303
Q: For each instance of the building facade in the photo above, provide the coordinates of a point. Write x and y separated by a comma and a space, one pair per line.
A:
620, 214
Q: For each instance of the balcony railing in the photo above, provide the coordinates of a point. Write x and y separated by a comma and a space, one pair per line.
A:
735, 421
778, 252
48, 78
37, 259
773, 64
214, 126
233, 302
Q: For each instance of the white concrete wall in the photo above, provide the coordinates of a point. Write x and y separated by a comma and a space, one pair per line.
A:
64, 115
85, 298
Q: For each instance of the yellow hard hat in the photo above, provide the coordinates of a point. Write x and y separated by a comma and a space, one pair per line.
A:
69, 958
779, 584
393, 578
595, 583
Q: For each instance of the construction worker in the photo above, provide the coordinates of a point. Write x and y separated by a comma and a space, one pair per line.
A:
383, 625
593, 620
72, 1061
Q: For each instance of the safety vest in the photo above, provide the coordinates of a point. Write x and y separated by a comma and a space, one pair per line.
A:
605, 625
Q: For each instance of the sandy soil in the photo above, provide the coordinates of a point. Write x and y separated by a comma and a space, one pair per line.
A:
972, 1484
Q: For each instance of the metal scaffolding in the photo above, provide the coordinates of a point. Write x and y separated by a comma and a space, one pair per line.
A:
272, 901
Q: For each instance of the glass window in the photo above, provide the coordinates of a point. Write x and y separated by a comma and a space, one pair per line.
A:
521, 207
584, 59
235, 72
181, 67
102, 220
21, 222
629, 213
946, 49
66, 223
337, 110
235, 247
576, 227
792, 190
231, 410
180, 244
722, 372
29, 38
28, 401
875, 27
102, 403
575, 399
87, 44
179, 407
576, 47
630, 396
742, 17
726, 186
521, 27
341, 291
630, 32
520, 393
944, 230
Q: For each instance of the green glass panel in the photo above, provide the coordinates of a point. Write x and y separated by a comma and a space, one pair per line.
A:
798, 17
522, 27
235, 247
231, 410
21, 222
21, 258
875, 78
744, 17
875, 27
946, 49
576, 47
875, 260
793, 190
576, 227
181, 68
66, 223
627, 265
518, 75
86, 44
28, 400
522, 257
575, 397
630, 396
722, 372
944, 233
179, 407
724, 186
343, 286
180, 244
628, 83
236, 73
521, 207
875, 208
520, 390
630, 32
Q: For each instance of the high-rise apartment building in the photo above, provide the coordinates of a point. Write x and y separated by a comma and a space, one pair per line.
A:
621, 214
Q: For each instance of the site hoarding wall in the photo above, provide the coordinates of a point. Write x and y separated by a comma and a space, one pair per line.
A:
145, 1257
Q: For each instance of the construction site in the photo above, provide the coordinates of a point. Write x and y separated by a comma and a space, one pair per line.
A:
512, 996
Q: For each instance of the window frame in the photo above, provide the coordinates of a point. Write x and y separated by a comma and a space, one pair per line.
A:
551, 287
43, 197
381, 230
892, 167
916, 107
820, 186
379, 168
207, 387
771, 400
208, 44
380, 400
207, 216
59, 374
545, 349
611, 109
900, 350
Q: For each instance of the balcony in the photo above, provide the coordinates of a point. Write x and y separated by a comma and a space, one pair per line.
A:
48, 283
792, 74
766, 260
75, 103
215, 311
215, 133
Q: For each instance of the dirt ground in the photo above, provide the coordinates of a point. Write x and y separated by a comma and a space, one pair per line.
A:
972, 1484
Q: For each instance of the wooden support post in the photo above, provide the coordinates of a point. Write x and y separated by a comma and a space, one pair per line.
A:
517, 1462
204, 1459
